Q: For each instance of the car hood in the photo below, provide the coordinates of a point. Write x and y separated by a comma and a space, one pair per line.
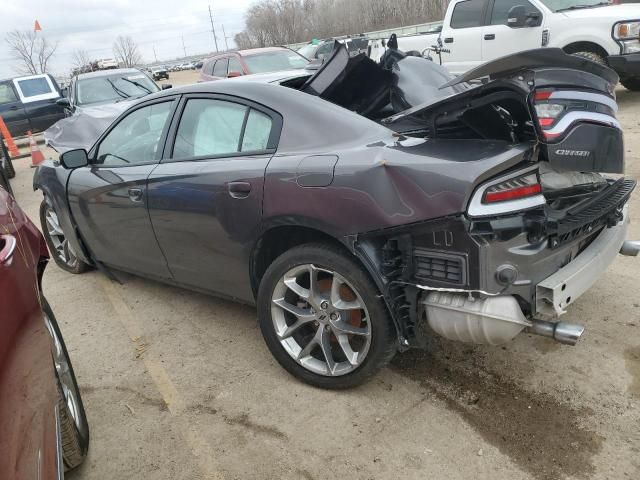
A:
83, 128
612, 12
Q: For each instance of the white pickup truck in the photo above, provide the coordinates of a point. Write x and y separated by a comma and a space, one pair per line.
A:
478, 31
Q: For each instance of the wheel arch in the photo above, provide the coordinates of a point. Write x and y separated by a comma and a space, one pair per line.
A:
586, 46
279, 238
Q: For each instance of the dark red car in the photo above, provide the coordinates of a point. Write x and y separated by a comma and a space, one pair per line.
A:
43, 427
247, 62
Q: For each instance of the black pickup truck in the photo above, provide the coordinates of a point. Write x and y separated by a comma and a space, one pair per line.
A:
29, 103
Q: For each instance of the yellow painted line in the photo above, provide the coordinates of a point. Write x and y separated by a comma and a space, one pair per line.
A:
200, 448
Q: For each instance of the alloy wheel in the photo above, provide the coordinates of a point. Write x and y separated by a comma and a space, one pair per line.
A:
63, 249
321, 320
65, 376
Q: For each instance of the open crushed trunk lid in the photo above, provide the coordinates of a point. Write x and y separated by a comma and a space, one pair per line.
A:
562, 103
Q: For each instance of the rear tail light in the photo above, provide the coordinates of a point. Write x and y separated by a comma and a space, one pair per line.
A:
557, 111
513, 189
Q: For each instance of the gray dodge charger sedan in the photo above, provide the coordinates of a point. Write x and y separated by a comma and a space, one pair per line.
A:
364, 206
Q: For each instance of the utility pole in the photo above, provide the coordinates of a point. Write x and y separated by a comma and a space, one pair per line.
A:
213, 30
183, 47
154, 54
226, 45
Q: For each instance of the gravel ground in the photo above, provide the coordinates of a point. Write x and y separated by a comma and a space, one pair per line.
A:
179, 385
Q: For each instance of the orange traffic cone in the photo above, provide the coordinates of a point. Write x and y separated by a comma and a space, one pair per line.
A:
13, 149
36, 155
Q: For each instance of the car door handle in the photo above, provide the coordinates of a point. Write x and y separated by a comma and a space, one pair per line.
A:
490, 36
7, 247
14, 108
448, 40
239, 189
136, 194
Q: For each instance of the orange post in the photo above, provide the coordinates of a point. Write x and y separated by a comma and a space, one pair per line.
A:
13, 150
36, 155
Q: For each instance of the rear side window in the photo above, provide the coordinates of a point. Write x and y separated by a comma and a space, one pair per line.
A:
220, 69
256, 132
468, 14
7, 95
34, 86
217, 127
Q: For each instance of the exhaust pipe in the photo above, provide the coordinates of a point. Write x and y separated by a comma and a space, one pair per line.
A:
563, 332
630, 248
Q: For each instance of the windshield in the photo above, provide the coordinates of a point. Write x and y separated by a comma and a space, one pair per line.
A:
558, 5
114, 88
275, 61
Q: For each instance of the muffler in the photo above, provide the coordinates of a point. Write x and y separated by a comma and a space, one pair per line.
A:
493, 320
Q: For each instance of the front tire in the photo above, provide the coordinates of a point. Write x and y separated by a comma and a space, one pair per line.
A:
61, 250
74, 427
323, 319
594, 57
631, 83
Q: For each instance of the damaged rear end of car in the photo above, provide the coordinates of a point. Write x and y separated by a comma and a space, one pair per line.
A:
540, 223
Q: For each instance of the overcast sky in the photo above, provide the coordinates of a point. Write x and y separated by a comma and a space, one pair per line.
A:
93, 25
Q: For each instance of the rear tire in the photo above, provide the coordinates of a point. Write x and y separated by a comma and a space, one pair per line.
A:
59, 247
631, 83
74, 427
342, 334
594, 57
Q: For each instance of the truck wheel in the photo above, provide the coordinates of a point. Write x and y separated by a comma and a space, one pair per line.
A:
323, 319
594, 57
631, 83
74, 428
59, 246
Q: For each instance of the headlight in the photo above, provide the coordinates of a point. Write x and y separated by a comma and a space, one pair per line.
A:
627, 31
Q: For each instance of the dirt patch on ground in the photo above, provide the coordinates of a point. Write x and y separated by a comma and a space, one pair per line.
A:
159, 403
632, 361
541, 434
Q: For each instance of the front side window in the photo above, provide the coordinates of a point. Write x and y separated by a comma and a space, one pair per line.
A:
468, 14
136, 138
235, 66
501, 9
220, 69
215, 127
7, 95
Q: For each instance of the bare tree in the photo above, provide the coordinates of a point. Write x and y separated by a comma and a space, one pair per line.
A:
31, 50
81, 59
126, 51
277, 22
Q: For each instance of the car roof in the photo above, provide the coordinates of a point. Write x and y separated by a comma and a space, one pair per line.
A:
249, 52
107, 73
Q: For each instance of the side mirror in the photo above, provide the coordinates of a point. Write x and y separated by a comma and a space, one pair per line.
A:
534, 19
63, 102
166, 86
234, 74
74, 159
517, 16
